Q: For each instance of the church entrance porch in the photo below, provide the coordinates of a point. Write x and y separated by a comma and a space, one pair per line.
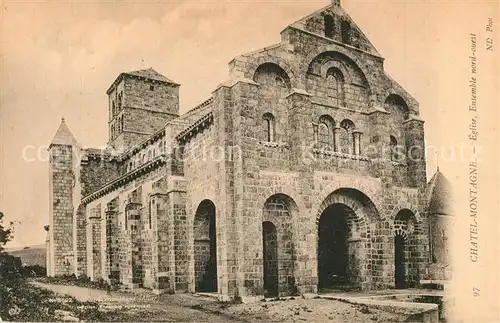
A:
344, 242
336, 251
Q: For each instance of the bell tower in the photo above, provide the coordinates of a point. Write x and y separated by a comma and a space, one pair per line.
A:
61, 180
140, 103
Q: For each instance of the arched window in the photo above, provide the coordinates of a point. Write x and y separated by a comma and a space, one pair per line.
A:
269, 125
397, 106
323, 135
149, 155
325, 132
130, 166
154, 153
143, 158
346, 32
393, 144
329, 26
336, 85
346, 137
121, 120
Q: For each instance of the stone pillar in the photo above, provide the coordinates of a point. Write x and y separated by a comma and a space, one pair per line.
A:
304, 235
357, 142
136, 270
415, 145
95, 229
226, 110
315, 133
336, 138
163, 227
112, 246
80, 241
379, 121
130, 256
239, 266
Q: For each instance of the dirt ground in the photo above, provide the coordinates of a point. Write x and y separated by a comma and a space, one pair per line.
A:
191, 308
310, 310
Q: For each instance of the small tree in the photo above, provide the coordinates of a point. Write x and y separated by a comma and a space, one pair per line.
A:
5, 233
10, 266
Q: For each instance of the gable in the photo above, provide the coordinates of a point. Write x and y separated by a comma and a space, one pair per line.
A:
334, 23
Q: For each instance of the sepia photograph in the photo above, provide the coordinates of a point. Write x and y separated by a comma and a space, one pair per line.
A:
246, 161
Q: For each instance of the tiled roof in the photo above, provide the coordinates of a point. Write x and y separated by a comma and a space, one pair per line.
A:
63, 135
440, 195
151, 74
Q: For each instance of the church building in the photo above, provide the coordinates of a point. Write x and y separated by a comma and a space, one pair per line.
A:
303, 172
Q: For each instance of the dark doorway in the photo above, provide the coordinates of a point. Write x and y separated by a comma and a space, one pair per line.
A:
205, 248
399, 262
333, 231
270, 257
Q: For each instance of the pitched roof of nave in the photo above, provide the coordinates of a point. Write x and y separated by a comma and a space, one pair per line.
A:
339, 14
440, 194
63, 135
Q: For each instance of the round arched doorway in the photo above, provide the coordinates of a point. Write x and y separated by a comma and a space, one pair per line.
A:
205, 248
278, 247
343, 250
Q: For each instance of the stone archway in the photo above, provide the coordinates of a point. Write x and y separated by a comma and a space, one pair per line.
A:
270, 258
399, 262
405, 247
205, 248
278, 246
343, 250
334, 230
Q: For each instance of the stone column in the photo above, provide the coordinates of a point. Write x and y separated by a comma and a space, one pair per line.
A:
414, 140
131, 270
315, 133
357, 142
112, 258
163, 219
95, 228
336, 138
80, 241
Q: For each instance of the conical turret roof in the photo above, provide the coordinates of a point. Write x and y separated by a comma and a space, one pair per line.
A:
440, 195
63, 136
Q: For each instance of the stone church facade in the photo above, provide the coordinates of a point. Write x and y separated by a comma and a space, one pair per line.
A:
305, 171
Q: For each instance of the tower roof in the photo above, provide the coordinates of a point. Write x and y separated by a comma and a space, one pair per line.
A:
440, 195
149, 74
63, 135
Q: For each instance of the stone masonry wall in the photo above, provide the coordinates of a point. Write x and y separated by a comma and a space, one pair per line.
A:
96, 172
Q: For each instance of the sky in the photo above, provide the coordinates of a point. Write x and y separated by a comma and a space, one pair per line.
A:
58, 59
